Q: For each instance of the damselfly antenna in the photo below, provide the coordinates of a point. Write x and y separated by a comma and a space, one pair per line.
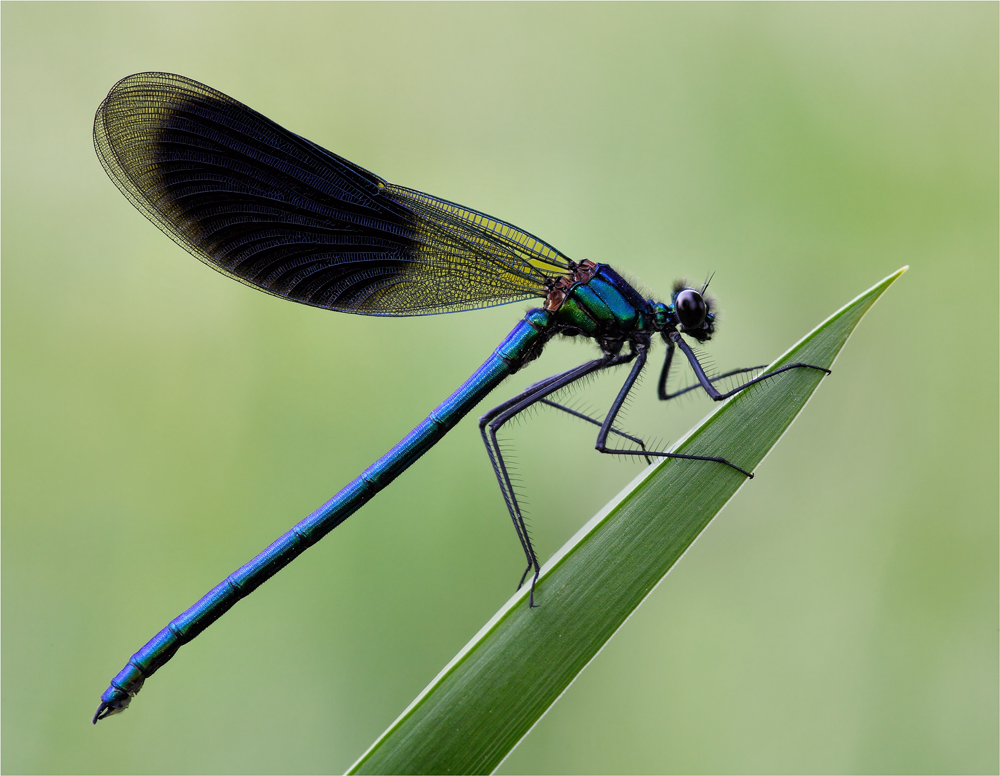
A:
708, 280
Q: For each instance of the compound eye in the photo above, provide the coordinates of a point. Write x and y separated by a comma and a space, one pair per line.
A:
691, 309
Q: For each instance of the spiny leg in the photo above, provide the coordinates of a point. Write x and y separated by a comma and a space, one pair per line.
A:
496, 458
499, 467
662, 387
602, 435
499, 470
498, 416
598, 423
710, 389
704, 382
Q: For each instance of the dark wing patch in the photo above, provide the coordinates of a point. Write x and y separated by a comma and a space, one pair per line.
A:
280, 213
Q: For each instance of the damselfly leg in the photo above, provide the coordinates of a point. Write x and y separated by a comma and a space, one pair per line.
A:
706, 383
665, 395
491, 422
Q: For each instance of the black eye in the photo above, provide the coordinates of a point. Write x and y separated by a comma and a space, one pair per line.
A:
690, 308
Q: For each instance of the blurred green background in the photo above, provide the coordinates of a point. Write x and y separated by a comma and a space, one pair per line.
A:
162, 423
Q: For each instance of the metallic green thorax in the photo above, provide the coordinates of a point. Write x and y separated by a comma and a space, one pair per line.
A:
595, 301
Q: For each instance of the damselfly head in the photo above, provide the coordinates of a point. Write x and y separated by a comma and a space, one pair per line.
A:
693, 312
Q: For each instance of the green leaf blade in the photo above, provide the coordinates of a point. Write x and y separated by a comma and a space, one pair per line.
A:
496, 689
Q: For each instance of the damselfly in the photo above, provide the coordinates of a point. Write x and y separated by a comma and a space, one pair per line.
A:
278, 213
